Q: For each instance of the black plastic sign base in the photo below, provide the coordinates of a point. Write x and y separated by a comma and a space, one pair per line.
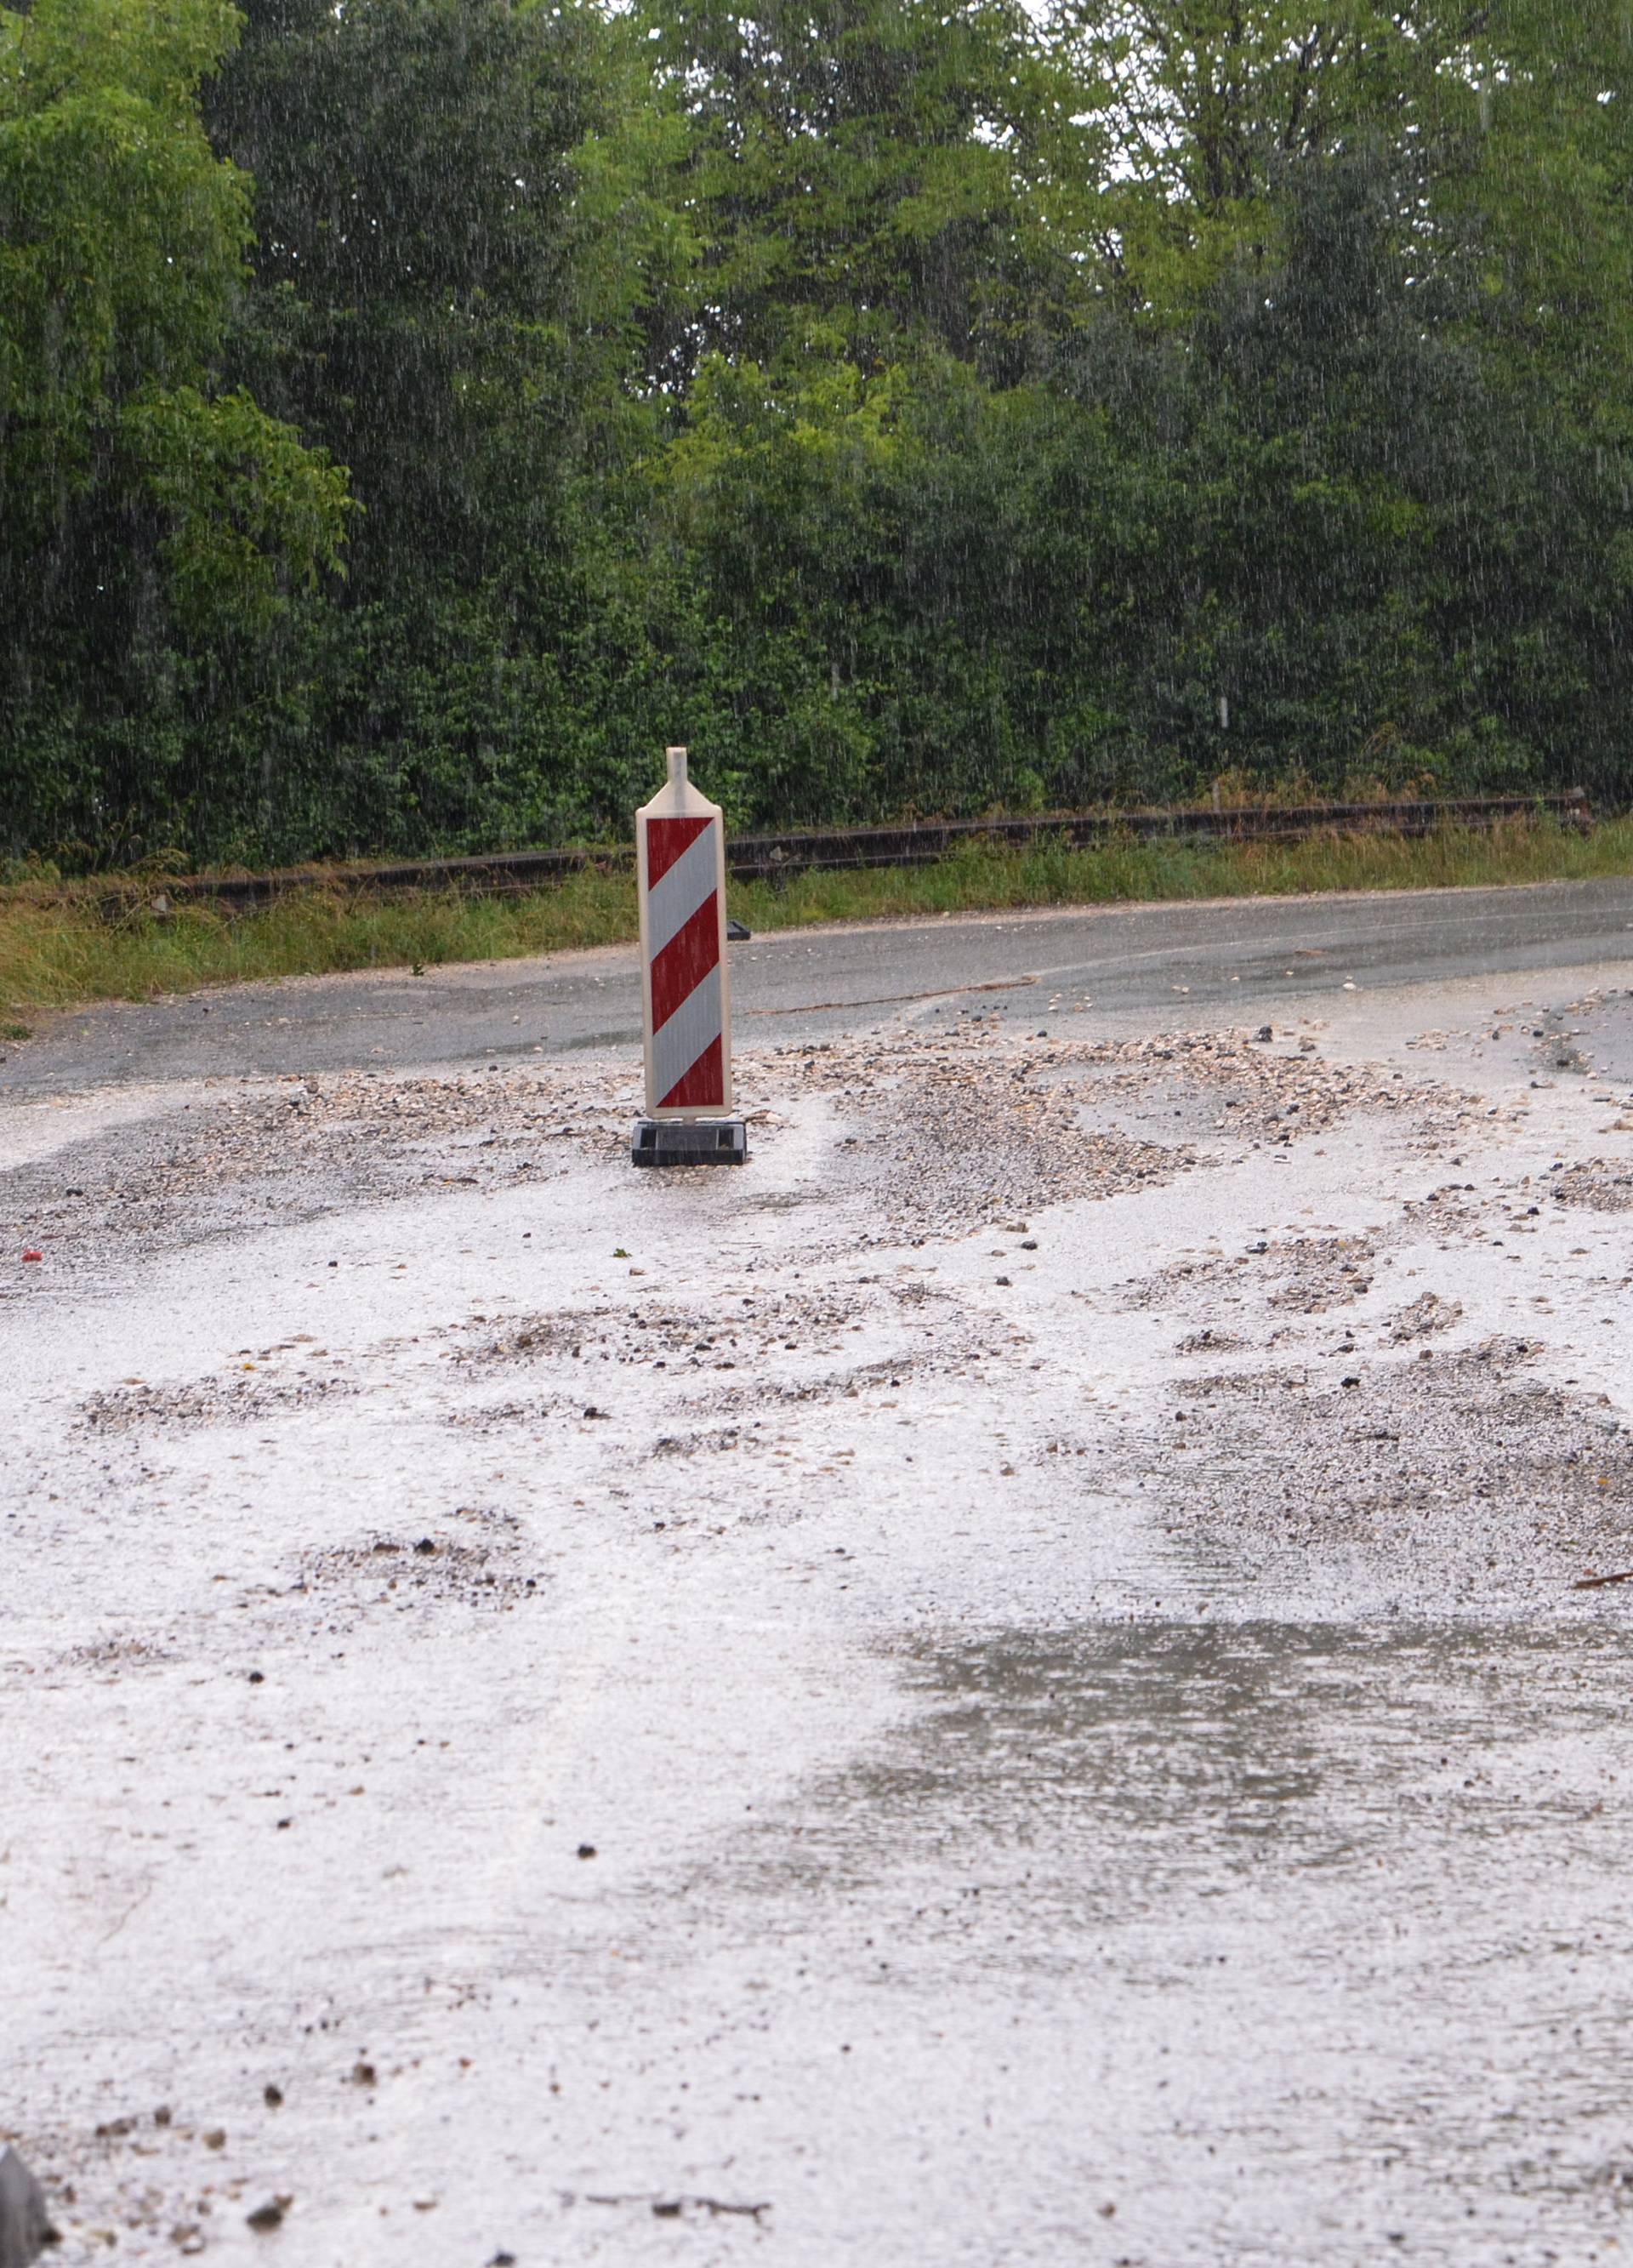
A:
689, 1142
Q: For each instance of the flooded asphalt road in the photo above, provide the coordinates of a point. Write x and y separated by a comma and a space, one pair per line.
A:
1009, 1684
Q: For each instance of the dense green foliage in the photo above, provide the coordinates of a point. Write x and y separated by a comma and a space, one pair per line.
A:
413, 414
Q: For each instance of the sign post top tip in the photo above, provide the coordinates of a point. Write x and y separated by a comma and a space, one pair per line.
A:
677, 766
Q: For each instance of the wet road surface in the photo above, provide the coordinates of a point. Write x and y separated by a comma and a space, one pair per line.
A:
1008, 1684
1137, 963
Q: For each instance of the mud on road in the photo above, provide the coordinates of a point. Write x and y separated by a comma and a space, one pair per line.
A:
1026, 1679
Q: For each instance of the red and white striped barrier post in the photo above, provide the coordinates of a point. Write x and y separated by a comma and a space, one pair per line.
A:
679, 851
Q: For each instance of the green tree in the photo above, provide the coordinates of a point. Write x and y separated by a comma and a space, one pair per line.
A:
461, 218
867, 171
1208, 106
142, 507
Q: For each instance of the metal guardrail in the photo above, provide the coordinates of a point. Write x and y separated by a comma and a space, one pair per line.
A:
763, 856
768, 857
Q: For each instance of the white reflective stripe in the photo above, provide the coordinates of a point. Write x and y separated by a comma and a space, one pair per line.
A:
677, 894
677, 1044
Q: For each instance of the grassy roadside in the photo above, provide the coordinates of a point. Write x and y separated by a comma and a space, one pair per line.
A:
58, 948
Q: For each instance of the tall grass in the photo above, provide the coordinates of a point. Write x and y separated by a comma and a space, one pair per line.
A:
63, 945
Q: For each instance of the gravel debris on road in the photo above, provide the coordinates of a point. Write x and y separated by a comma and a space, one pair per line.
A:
1047, 1597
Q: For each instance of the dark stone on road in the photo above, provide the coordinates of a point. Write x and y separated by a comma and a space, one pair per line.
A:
24, 2225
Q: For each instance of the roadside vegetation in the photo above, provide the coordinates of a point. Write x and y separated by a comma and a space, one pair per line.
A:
63, 945
414, 414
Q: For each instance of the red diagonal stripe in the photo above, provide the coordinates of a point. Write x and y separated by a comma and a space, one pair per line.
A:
666, 840
687, 958
702, 1087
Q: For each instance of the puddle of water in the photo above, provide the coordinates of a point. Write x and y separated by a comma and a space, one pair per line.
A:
1298, 1941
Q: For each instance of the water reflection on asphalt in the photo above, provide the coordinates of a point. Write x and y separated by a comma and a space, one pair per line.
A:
1313, 1938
